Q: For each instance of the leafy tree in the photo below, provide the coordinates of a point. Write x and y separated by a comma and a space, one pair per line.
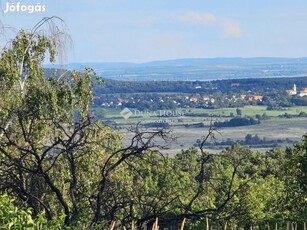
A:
295, 173
44, 121
53, 157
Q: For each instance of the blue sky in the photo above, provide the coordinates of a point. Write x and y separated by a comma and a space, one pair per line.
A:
146, 30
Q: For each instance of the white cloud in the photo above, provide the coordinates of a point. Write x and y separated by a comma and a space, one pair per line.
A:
230, 27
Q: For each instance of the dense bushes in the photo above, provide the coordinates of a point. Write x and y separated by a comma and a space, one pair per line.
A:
237, 121
13, 217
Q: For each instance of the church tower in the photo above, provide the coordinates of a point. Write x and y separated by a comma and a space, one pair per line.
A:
294, 88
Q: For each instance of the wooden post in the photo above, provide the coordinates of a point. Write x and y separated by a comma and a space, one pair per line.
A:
182, 224
113, 225
155, 225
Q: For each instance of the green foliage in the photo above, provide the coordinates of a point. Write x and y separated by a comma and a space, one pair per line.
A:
12, 217
295, 173
237, 121
47, 138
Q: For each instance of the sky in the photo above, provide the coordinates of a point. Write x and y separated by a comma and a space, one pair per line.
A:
147, 30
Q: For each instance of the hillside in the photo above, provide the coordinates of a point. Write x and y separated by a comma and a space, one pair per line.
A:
197, 69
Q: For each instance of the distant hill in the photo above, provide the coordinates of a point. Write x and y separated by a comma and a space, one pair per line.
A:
184, 62
197, 69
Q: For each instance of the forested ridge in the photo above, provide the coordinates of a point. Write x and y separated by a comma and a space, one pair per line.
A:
60, 169
224, 86
153, 95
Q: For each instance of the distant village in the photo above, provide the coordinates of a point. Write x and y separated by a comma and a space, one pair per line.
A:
184, 100
216, 99
295, 92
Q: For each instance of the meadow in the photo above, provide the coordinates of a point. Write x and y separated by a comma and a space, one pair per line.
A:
187, 129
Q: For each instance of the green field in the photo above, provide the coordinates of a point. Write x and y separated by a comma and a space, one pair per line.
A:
272, 129
201, 114
252, 111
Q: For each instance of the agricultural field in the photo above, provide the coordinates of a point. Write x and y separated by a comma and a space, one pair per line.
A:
188, 125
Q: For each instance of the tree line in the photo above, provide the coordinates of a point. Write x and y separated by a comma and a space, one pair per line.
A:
224, 86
